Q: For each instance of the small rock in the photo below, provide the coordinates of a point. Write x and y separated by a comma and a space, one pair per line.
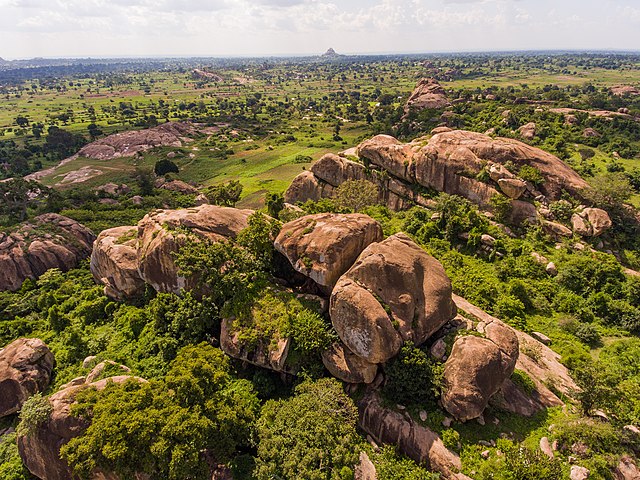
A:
480, 420
578, 473
447, 422
136, 200
545, 447
88, 362
541, 259
484, 443
485, 454
541, 337
487, 240
401, 407
579, 246
551, 269
423, 415
600, 415
365, 470
632, 429
439, 349
496, 421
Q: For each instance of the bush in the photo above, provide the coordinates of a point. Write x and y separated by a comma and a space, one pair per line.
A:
413, 377
391, 466
35, 411
451, 439
356, 195
163, 167
310, 435
11, 466
501, 207
522, 380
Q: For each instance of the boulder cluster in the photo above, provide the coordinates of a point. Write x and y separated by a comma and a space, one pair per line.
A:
47, 241
472, 165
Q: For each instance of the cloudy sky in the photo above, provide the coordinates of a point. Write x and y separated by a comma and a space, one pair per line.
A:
50, 28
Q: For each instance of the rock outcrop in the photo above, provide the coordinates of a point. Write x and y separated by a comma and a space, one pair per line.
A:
543, 367
114, 262
415, 441
26, 365
477, 368
395, 292
40, 450
264, 355
591, 222
449, 161
160, 235
528, 131
47, 241
128, 144
347, 366
427, 94
325, 245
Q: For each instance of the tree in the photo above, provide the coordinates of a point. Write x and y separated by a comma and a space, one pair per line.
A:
16, 195
94, 130
22, 122
226, 194
164, 166
274, 203
609, 190
311, 435
145, 180
165, 428
356, 194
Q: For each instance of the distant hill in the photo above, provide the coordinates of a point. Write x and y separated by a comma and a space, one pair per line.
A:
331, 53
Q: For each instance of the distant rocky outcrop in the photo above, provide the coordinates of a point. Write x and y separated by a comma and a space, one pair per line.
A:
47, 241
200, 74
330, 53
325, 245
26, 366
624, 90
427, 94
40, 450
394, 293
128, 144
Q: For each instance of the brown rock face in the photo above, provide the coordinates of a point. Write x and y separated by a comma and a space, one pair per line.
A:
114, 262
261, 355
40, 451
179, 186
591, 222
395, 292
415, 441
31, 250
26, 365
346, 366
625, 90
127, 144
427, 94
528, 131
159, 238
477, 368
325, 245
512, 187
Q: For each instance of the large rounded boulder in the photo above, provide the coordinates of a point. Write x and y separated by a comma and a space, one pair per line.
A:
477, 367
25, 369
161, 233
114, 262
395, 292
325, 245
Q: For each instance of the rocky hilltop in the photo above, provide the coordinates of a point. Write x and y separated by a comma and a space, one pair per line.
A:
427, 94
47, 241
471, 165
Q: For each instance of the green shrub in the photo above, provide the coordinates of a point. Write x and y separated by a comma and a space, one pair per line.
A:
413, 377
600, 437
522, 380
35, 411
11, 466
391, 466
451, 439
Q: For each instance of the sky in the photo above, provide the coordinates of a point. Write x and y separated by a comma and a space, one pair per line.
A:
99, 28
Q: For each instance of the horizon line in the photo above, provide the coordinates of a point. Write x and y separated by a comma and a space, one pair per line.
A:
311, 55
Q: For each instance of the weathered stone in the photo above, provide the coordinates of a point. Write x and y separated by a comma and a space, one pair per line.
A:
626, 469
512, 187
477, 368
427, 94
325, 245
556, 230
26, 366
28, 252
545, 447
541, 337
114, 262
348, 367
528, 131
160, 235
415, 441
365, 469
395, 292
591, 222
578, 473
